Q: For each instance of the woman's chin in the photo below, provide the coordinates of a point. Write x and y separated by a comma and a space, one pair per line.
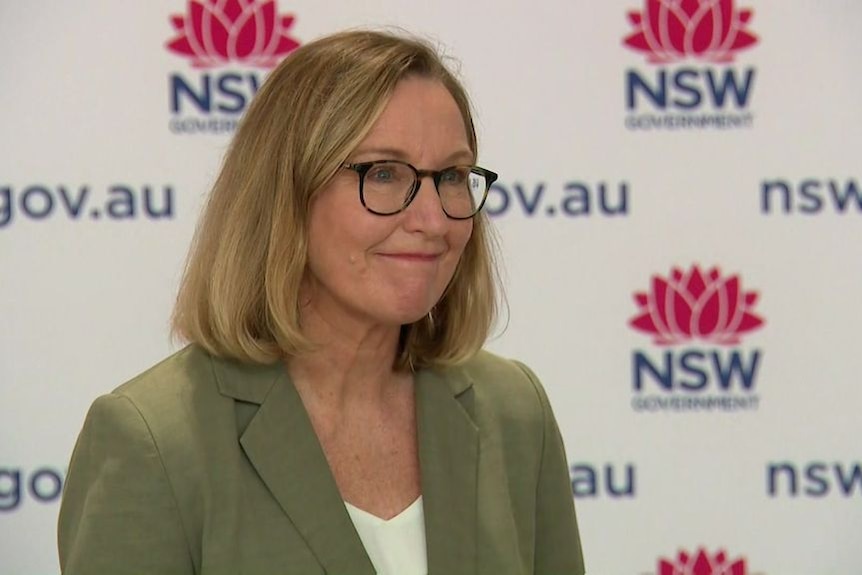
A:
405, 308
407, 314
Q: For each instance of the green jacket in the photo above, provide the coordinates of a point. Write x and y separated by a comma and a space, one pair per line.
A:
206, 466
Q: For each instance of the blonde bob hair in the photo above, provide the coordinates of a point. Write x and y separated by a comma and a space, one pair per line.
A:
239, 296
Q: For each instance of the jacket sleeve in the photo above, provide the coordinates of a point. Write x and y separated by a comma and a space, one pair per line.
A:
558, 544
118, 513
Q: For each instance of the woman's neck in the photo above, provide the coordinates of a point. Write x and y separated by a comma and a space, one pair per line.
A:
351, 361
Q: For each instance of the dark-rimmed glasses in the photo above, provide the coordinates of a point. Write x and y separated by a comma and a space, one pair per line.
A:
387, 187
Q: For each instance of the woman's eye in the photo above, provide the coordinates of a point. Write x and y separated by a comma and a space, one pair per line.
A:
388, 174
381, 174
455, 176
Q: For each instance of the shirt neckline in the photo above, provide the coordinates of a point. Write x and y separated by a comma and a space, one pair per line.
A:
366, 517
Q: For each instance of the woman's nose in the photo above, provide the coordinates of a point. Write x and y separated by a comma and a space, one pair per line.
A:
425, 212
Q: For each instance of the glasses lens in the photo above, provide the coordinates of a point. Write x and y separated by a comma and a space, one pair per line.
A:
387, 186
462, 191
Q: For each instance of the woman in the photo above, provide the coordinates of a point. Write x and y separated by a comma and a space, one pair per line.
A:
334, 412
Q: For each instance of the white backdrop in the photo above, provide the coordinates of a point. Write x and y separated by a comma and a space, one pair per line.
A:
101, 184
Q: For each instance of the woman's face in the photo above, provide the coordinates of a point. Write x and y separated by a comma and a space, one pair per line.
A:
391, 270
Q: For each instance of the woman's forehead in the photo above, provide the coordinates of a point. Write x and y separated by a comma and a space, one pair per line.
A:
422, 119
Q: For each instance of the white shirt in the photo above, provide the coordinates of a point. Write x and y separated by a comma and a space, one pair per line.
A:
395, 546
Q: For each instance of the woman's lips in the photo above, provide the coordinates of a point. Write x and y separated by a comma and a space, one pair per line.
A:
418, 257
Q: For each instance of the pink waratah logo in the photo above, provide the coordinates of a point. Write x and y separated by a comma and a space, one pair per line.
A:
702, 563
696, 305
670, 30
217, 32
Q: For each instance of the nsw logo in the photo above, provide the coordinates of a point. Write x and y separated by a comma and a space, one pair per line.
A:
702, 562
228, 43
677, 93
697, 320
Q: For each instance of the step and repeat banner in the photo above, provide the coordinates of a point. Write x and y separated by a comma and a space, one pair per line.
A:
679, 211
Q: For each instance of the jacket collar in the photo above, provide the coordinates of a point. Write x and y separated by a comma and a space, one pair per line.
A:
252, 382
282, 446
245, 381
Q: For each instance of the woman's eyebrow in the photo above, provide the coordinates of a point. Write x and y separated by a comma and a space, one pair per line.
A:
462, 154
397, 154
386, 153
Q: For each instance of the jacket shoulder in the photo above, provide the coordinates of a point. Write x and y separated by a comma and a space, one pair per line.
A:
186, 368
178, 395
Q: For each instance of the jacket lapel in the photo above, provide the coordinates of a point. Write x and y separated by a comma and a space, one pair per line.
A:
449, 457
282, 446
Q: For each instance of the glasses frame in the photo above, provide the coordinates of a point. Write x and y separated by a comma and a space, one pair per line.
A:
362, 168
